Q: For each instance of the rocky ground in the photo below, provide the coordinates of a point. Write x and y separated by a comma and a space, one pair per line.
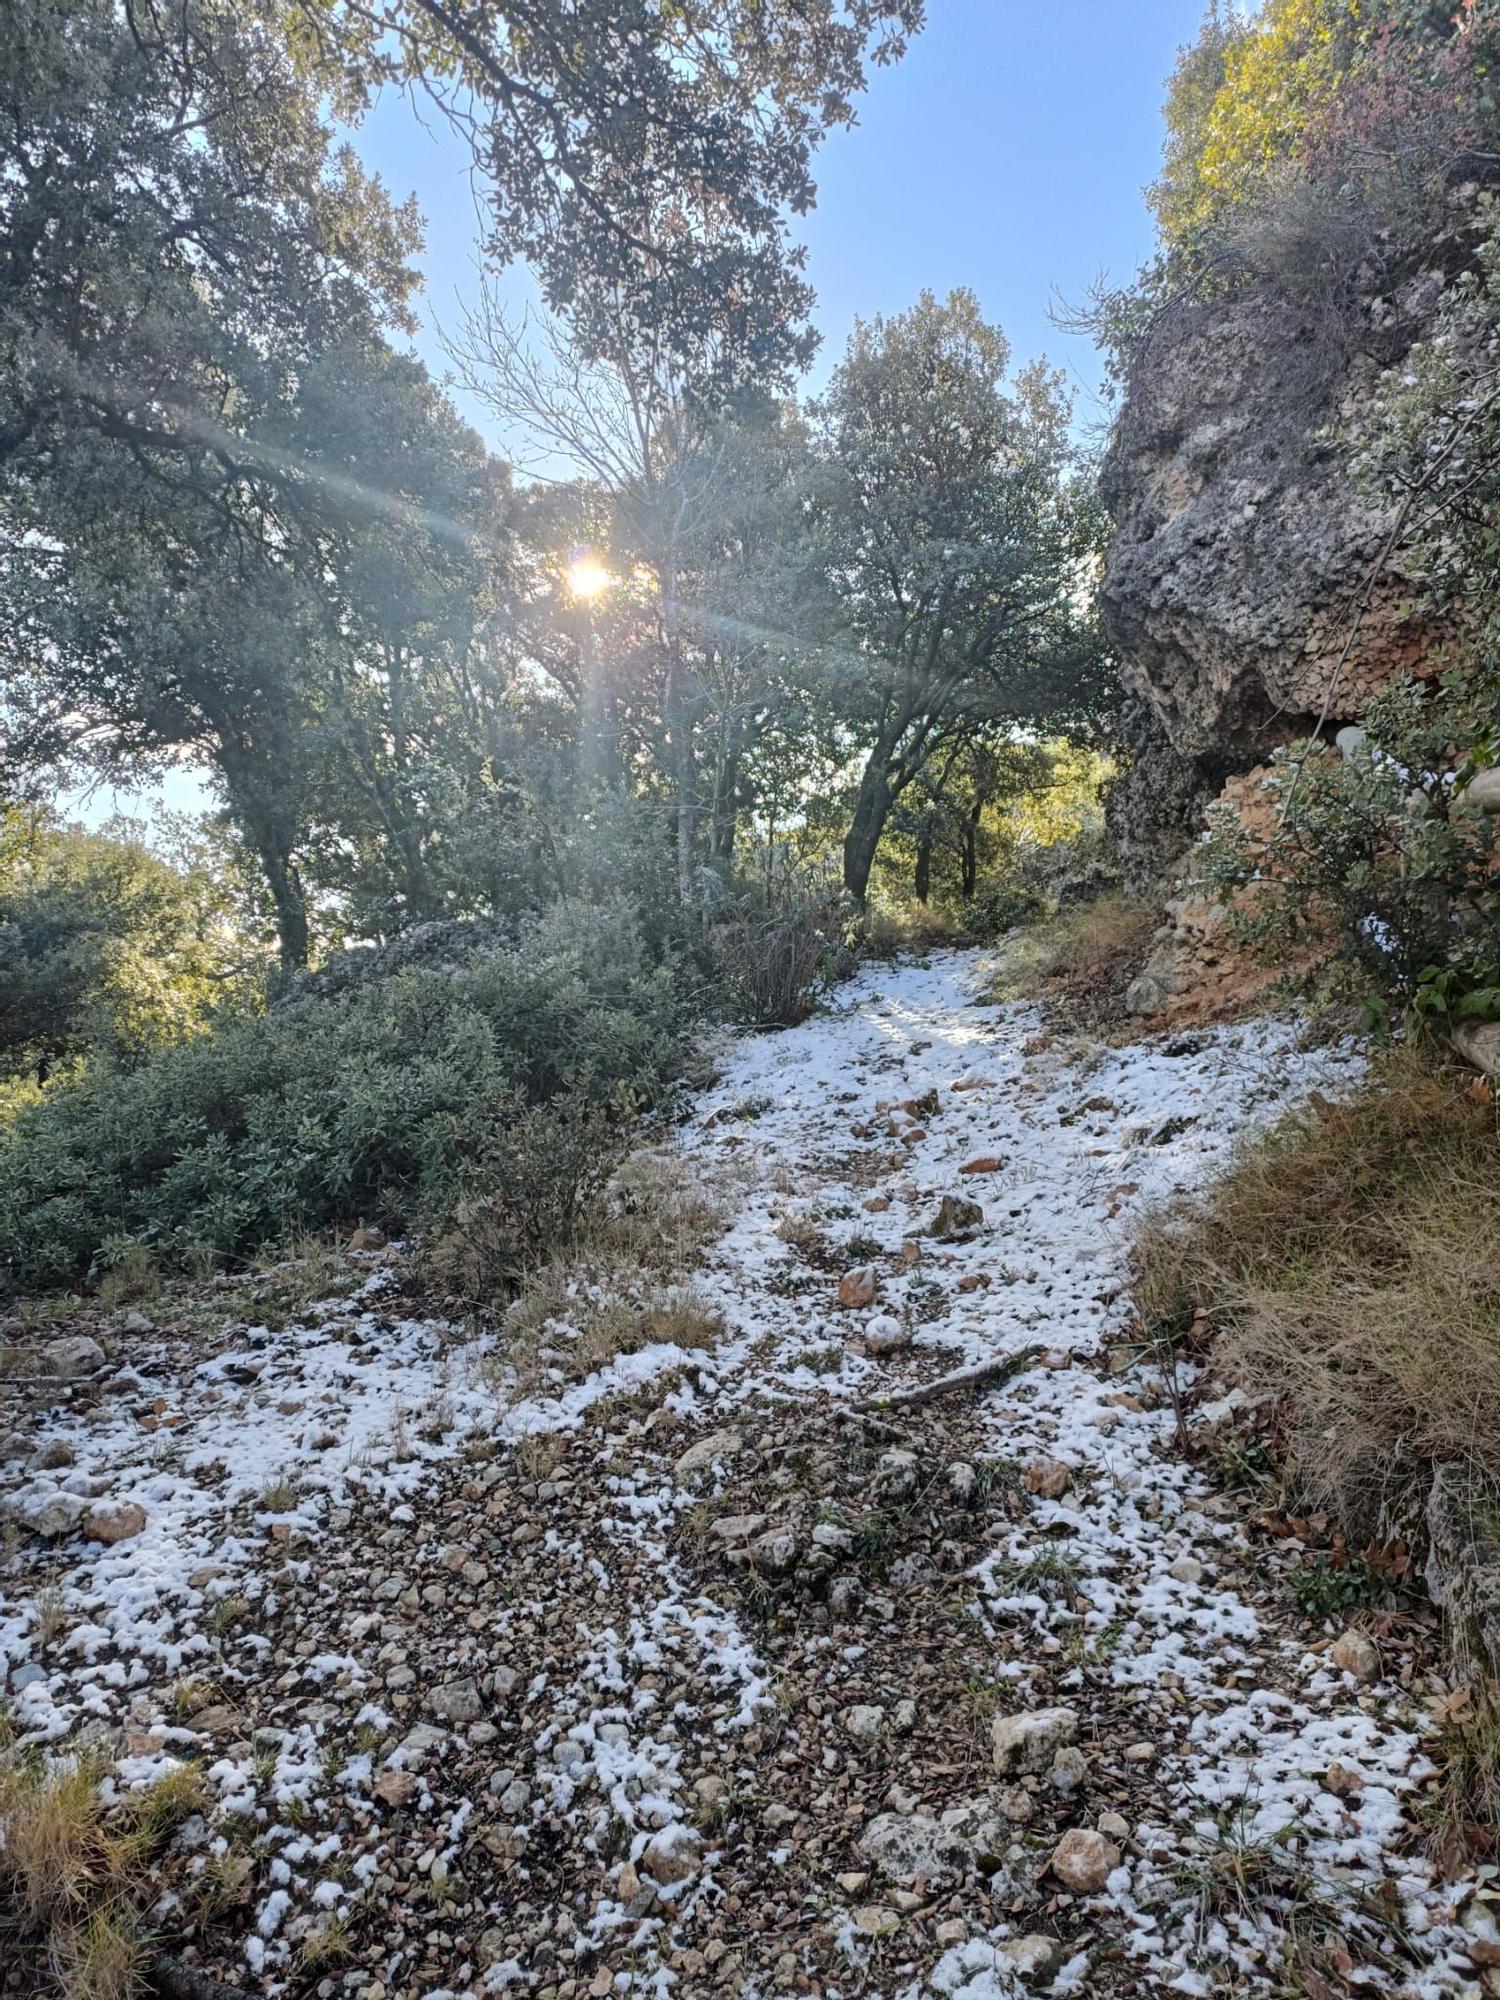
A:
892, 1642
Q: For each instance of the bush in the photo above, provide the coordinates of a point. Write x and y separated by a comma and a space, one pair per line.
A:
522, 1195
1378, 858
377, 1107
774, 962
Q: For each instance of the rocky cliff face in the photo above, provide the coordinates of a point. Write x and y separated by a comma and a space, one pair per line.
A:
1242, 551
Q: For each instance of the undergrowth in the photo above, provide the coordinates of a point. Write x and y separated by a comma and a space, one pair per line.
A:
1085, 953
73, 1864
489, 1101
1346, 1264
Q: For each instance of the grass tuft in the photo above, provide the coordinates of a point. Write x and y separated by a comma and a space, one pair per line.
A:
1346, 1263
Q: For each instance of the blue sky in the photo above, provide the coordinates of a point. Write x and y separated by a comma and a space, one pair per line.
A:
1008, 152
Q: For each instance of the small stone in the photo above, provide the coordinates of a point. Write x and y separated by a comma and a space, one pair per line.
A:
877, 1204
673, 1855
1028, 1743
904, 1720
1114, 1826
1017, 1804
1139, 1753
854, 1880
903, 1845
738, 1527
864, 1721
951, 1931
1031, 1958
1083, 1861
876, 1921
896, 1473
884, 1334
219, 1720
112, 1521
1048, 1478
859, 1286
1187, 1569
1069, 1769
983, 1163
718, 1448
956, 1216
395, 1788
1355, 1653
962, 1481
62, 1360
457, 1702
53, 1457
47, 1514
774, 1552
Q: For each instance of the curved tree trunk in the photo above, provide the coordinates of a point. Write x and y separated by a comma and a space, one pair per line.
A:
872, 805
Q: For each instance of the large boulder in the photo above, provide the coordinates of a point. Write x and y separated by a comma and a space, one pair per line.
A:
444, 946
1241, 541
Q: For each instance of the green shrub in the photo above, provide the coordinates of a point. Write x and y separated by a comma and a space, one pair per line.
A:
1378, 857
377, 1107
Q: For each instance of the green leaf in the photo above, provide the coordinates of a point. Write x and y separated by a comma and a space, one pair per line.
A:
1483, 1004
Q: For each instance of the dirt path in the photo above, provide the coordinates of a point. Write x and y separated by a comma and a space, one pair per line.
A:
726, 1670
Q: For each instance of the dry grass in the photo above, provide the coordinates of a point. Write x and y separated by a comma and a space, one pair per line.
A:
622, 1285
136, 1277
886, 930
58, 1853
1083, 957
1347, 1263
73, 1870
106, 1957
659, 1213
574, 1333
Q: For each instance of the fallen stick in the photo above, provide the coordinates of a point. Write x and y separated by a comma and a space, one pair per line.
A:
171, 1979
983, 1375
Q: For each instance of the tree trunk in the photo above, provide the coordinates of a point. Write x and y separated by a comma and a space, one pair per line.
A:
971, 851
922, 880
872, 805
291, 911
290, 899
679, 742
723, 813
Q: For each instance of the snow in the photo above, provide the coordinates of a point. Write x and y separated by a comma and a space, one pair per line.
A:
1090, 1137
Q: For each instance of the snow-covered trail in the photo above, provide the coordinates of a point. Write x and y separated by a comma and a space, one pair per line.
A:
703, 1674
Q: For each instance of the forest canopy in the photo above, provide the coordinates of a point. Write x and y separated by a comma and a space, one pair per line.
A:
242, 526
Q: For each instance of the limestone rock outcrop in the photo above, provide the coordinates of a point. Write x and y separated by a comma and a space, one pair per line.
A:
1242, 546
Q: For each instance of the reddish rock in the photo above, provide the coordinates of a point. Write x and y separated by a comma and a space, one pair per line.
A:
395, 1788
859, 1287
1083, 1861
1048, 1478
114, 1521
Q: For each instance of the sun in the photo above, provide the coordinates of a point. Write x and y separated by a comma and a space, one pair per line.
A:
587, 576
